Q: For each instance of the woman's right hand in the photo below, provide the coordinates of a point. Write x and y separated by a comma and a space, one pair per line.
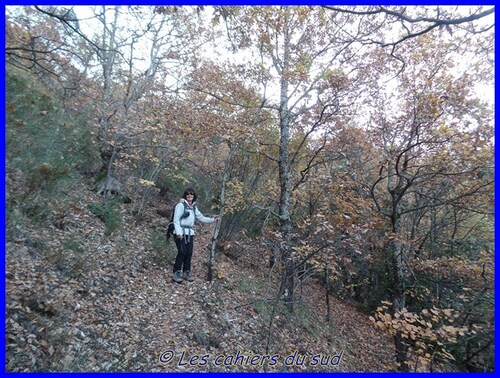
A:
179, 237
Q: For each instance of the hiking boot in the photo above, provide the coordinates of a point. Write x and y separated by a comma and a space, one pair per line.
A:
177, 276
187, 276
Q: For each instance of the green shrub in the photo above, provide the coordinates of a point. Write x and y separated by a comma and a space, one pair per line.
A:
164, 251
248, 285
46, 146
304, 317
158, 240
264, 309
108, 211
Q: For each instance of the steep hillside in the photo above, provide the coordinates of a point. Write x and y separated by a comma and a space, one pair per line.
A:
83, 298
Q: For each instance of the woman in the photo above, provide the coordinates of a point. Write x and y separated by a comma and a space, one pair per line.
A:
184, 216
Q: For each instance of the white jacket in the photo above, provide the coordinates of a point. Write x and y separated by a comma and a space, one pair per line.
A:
185, 226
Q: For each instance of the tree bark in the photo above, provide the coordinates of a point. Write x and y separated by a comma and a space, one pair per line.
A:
212, 269
396, 188
327, 292
284, 173
398, 302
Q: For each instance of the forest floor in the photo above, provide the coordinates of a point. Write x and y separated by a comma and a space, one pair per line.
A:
80, 300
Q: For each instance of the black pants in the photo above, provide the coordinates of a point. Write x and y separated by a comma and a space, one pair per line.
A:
184, 253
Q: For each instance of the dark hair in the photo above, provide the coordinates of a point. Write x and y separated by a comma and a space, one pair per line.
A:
189, 191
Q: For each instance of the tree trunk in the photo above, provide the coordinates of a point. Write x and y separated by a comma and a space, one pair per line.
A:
327, 293
396, 250
212, 270
398, 300
107, 56
284, 173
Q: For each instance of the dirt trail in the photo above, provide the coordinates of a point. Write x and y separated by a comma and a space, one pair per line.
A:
120, 312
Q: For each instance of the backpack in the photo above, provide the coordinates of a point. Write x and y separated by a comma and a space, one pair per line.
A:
171, 228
